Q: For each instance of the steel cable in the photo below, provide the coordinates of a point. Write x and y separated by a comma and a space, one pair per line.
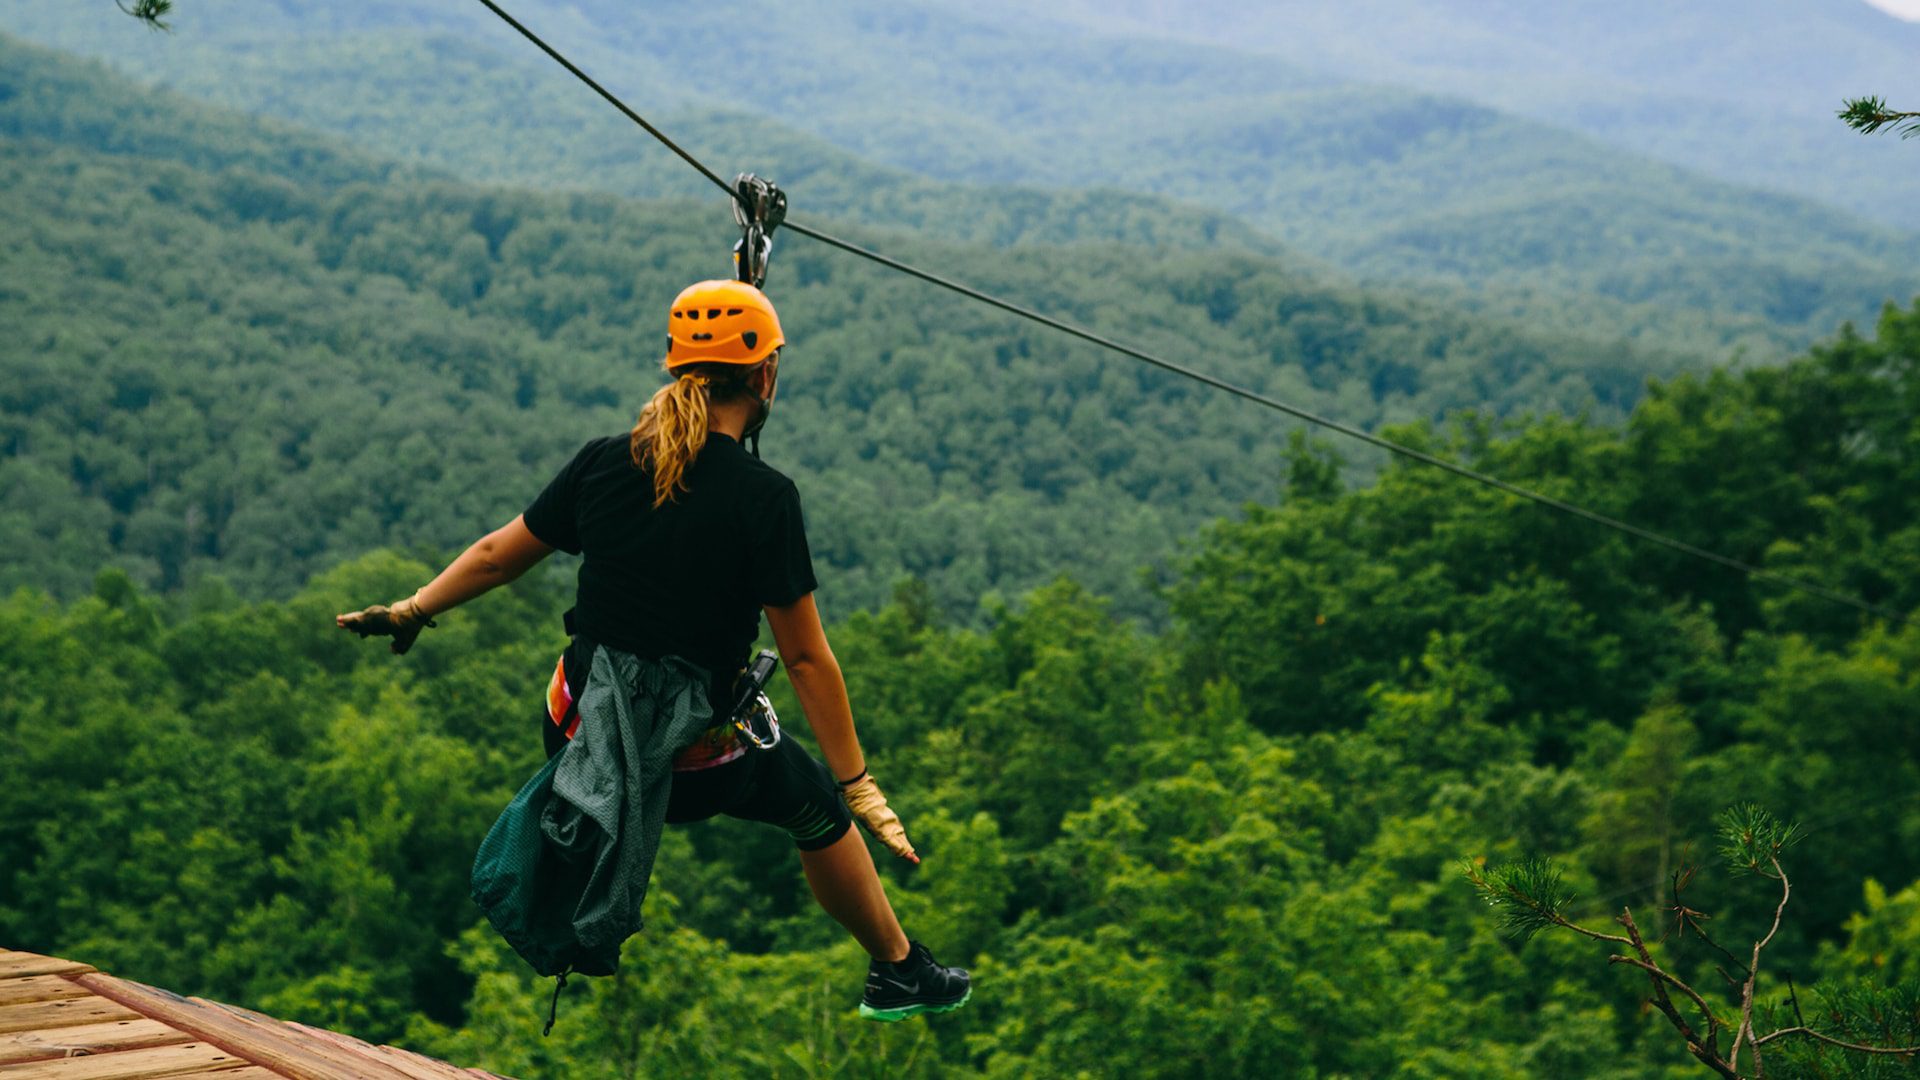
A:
1540, 498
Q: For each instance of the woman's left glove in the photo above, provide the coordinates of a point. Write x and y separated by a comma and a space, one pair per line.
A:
870, 808
401, 621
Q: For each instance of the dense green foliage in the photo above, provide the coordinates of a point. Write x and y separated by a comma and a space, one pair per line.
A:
275, 355
1225, 850
836, 98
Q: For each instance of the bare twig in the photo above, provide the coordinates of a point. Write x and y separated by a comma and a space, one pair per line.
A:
1594, 934
1686, 918
1707, 1050
1830, 1040
1660, 974
1753, 974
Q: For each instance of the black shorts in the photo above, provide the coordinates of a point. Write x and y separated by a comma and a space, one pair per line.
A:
783, 786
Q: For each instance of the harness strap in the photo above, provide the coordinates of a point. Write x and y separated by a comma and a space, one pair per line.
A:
553, 1010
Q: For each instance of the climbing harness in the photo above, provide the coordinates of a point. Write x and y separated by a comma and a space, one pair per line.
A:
752, 713
758, 208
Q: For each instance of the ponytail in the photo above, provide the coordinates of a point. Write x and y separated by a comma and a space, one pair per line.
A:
673, 426
670, 432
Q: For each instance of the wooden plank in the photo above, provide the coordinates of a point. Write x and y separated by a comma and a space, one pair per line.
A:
411, 1065
15, 965
87, 1039
145, 1064
39, 1015
260, 1039
39, 988
244, 1072
421, 1066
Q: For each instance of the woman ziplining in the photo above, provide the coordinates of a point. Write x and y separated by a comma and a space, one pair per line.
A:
685, 539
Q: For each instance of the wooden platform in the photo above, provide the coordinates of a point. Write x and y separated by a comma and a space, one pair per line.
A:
61, 1020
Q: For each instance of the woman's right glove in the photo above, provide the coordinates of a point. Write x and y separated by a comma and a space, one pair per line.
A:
870, 808
402, 622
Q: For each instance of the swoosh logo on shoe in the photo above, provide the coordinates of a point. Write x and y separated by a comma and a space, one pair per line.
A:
911, 988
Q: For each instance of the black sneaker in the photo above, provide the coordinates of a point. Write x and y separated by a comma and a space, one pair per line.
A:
913, 986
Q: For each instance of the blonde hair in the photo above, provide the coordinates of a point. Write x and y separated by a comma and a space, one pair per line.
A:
673, 426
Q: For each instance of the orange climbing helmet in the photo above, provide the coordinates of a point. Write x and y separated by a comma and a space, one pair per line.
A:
721, 322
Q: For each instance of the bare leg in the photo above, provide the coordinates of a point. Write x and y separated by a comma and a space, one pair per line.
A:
847, 886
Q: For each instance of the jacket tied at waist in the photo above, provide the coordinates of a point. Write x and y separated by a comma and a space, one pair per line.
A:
563, 872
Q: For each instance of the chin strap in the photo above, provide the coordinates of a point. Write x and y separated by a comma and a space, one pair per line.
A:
751, 437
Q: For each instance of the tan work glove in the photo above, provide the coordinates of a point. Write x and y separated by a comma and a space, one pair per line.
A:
401, 621
870, 808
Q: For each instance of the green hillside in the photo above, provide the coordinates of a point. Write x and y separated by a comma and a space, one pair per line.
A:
251, 371
1390, 185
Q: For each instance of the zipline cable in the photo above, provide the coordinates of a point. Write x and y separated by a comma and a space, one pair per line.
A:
611, 100
1467, 472
1349, 430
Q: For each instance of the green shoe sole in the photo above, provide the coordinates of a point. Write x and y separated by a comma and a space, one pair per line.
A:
888, 1016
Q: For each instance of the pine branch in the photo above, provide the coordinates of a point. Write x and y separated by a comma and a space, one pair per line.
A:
1751, 839
151, 12
1529, 896
1868, 115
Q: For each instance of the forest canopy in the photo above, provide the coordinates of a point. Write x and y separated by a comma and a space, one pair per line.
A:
1228, 847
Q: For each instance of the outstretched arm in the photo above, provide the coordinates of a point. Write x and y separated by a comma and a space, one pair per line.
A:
818, 683
822, 691
493, 560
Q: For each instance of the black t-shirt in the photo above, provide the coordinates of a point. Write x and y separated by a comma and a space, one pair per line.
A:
686, 578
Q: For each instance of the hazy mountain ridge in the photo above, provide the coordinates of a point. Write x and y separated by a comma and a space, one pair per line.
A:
575, 142
1391, 186
1744, 91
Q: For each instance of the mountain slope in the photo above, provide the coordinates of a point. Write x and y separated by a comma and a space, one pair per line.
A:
447, 103
253, 371
1392, 186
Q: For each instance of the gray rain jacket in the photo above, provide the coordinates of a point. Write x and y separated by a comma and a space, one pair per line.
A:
562, 873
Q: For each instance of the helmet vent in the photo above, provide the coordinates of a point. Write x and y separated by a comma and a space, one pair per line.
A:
703, 337
750, 339
733, 311
713, 313
693, 313
679, 314
669, 342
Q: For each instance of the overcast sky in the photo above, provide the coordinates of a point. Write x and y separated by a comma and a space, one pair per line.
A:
1906, 9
